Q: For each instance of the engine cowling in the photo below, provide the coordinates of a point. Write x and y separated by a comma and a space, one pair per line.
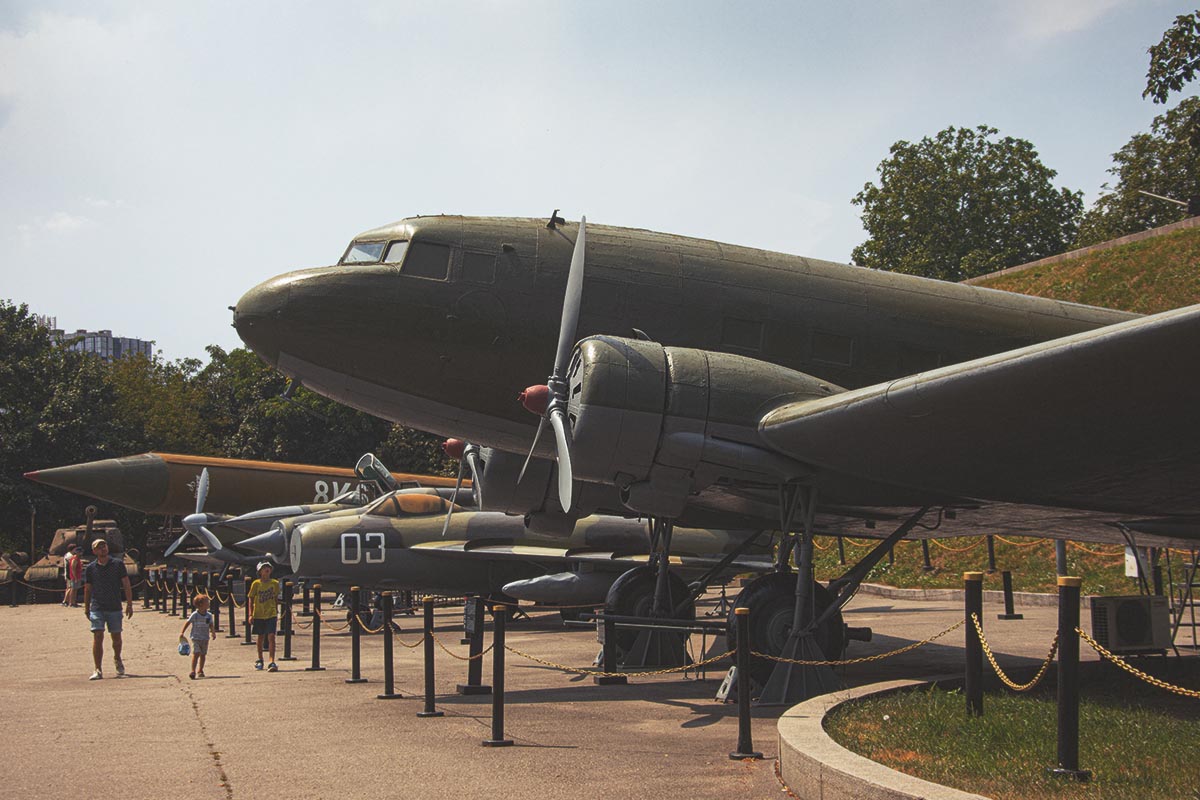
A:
662, 423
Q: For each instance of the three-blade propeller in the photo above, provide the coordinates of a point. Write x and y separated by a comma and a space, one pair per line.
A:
550, 400
193, 524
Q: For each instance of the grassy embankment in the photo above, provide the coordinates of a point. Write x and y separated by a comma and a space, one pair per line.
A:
1139, 741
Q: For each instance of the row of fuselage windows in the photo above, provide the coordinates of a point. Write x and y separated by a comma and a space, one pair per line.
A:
422, 259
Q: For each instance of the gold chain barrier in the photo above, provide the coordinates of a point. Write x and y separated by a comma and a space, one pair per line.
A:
1034, 543
864, 659
1078, 546
478, 655
939, 543
1017, 687
1132, 670
328, 624
602, 674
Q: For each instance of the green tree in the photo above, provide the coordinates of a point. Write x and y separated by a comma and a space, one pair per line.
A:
157, 405
410, 450
1162, 162
1175, 59
963, 203
55, 408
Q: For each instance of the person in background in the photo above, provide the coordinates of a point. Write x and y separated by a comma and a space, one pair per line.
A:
103, 581
201, 622
73, 575
264, 605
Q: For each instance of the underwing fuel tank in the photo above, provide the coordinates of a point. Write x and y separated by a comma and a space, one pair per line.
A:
563, 588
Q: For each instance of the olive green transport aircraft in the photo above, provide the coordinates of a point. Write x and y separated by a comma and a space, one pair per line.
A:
719, 386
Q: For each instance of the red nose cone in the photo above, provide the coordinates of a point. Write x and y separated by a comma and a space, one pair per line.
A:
536, 399
454, 448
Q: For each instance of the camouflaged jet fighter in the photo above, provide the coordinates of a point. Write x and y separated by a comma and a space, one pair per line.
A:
712, 385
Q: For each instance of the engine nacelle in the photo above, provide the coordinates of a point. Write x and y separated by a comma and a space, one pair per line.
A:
662, 423
536, 496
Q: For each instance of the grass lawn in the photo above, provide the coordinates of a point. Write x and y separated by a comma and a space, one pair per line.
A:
1139, 741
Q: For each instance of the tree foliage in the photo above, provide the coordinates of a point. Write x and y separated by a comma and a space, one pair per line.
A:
964, 203
1175, 59
1162, 162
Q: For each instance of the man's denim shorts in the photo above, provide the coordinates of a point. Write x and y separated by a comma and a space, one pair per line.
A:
101, 618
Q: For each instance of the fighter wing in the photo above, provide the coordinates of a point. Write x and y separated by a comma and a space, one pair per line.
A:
608, 560
1103, 421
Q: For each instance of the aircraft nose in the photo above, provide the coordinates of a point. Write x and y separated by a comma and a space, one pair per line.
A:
257, 317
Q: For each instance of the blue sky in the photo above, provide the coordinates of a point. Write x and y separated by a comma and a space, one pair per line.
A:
158, 159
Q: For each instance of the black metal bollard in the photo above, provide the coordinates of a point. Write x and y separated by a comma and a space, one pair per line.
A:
246, 581
232, 608
473, 623
304, 611
175, 593
745, 745
973, 682
214, 603
160, 589
610, 658
186, 601
499, 613
152, 578
1068, 681
146, 589
991, 546
841, 551
289, 589
1006, 576
926, 564
355, 637
316, 629
1060, 557
389, 670
429, 711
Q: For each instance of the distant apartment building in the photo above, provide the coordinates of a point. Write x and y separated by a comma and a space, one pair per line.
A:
99, 343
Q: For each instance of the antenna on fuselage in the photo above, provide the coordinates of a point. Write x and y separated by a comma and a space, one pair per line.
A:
554, 220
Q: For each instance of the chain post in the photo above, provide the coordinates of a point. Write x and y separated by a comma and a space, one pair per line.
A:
473, 618
1068, 681
389, 670
499, 614
316, 629
246, 581
355, 637
305, 611
973, 679
174, 592
232, 607
991, 548
289, 590
610, 658
429, 710
1009, 613
745, 746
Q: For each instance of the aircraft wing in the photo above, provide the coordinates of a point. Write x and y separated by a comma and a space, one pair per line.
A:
608, 560
1106, 422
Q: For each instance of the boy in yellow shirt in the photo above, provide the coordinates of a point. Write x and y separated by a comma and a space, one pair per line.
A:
264, 605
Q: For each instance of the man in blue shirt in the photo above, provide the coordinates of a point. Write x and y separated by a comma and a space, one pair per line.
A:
103, 581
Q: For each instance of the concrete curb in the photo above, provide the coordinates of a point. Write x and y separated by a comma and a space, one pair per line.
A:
989, 596
814, 767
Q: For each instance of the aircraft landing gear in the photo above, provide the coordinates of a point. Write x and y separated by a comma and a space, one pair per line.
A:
653, 592
772, 603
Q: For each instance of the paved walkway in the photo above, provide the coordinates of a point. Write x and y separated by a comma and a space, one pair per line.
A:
246, 734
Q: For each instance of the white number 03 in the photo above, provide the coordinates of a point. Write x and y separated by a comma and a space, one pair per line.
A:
355, 546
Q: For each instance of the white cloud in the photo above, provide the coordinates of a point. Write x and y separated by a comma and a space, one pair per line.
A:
63, 222
1040, 19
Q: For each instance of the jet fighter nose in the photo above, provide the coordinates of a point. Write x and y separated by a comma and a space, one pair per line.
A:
270, 543
257, 317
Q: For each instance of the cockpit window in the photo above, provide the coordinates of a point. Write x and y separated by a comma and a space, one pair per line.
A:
395, 252
405, 505
426, 260
363, 253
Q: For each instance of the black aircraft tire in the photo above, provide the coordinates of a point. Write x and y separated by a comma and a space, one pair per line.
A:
632, 595
772, 600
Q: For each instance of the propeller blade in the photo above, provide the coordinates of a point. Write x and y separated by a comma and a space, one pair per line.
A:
572, 301
211, 542
476, 465
202, 490
175, 545
454, 497
536, 437
558, 421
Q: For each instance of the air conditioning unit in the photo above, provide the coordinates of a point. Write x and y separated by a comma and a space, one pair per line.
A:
1132, 624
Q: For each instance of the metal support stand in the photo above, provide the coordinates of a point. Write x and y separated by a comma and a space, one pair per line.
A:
389, 669
316, 637
289, 590
1060, 557
1068, 681
246, 581
991, 547
499, 613
745, 745
473, 625
232, 608
927, 565
659, 648
841, 551
791, 683
973, 679
1006, 576
355, 637
610, 657
429, 710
